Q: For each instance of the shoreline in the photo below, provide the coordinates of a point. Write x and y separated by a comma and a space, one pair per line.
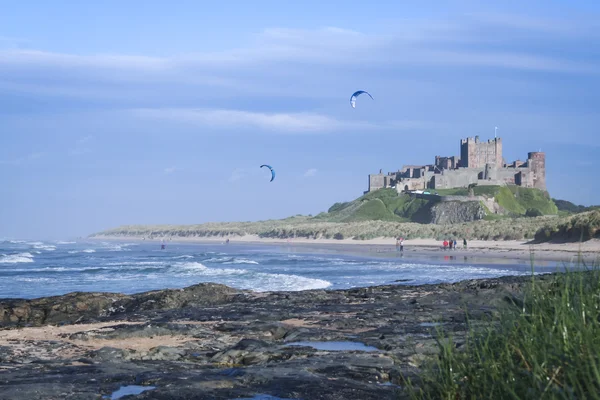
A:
210, 341
522, 250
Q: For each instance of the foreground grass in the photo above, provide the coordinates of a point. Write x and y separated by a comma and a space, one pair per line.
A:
544, 346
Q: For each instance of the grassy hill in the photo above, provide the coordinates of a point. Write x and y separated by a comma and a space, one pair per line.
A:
382, 213
380, 205
583, 226
567, 208
387, 205
515, 200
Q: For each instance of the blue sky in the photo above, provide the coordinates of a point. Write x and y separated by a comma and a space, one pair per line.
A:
117, 113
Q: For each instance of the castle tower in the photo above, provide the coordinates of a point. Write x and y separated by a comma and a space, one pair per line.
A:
476, 154
537, 165
376, 181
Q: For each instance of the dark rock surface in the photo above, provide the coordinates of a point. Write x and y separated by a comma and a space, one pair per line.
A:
210, 341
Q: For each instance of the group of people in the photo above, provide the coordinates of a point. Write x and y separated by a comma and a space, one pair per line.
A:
400, 244
451, 244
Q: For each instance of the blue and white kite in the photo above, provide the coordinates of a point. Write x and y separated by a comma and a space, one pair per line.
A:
272, 171
355, 95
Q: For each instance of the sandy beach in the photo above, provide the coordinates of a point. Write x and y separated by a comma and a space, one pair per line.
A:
588, 251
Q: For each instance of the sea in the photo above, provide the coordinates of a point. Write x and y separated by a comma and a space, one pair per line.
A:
31, 269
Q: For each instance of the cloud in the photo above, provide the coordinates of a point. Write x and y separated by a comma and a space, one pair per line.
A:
410, 42
310, 172
24, 160
277, 122
170, 170
237, 175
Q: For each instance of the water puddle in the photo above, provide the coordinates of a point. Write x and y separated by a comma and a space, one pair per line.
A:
127, 390
335, 346
389, 384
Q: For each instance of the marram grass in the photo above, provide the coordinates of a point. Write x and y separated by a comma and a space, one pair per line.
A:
544, 346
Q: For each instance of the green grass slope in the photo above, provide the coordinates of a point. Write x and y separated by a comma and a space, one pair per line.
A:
568, 208
380, 205
583, 226
516, 200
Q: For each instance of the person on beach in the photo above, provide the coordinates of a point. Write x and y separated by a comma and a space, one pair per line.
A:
454, 244
450, 244
445, 245
401, 245
464, 243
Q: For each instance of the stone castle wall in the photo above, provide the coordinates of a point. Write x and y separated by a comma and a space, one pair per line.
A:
480, 163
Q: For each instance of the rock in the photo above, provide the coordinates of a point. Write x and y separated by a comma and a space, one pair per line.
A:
209, 341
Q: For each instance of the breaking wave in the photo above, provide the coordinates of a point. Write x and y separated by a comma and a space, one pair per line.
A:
16, 258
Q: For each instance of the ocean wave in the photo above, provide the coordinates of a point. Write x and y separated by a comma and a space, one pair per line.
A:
230, 260
256, 281
62, 242
81, 251
282, 282
16, 258
196, 268
184, 256
241, 261
47, 247
36, 280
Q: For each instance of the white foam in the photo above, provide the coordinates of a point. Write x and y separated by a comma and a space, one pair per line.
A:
230, 260
277, 282
196, 268
47, 247
16, 258
61, 242
26, 279
241, 261
81, 251
184, 256
257, 281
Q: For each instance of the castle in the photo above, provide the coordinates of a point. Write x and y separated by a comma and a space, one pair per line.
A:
479, 163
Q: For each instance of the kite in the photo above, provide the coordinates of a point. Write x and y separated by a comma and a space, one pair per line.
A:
355, 95
272, 171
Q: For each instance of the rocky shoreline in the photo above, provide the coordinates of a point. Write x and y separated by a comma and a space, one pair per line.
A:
210, 341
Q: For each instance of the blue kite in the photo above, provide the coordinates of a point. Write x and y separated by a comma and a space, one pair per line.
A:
355, 95
272, 171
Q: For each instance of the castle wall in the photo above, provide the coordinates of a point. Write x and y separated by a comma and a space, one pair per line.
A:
480, 162
410, 184
461, 177
537, 164
376, 181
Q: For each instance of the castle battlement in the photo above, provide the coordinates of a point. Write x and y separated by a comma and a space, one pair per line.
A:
480, 162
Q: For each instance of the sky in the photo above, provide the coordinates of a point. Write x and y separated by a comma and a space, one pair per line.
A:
153, 112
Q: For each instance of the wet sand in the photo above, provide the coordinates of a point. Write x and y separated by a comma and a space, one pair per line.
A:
478, 251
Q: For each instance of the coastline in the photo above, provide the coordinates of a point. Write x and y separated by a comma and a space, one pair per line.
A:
210, 341
522, 250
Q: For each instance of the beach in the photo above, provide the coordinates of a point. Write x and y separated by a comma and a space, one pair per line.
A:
254, 317
569, 252
209, 341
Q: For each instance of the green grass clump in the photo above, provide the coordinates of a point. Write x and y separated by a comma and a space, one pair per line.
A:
585, 225
545, 345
